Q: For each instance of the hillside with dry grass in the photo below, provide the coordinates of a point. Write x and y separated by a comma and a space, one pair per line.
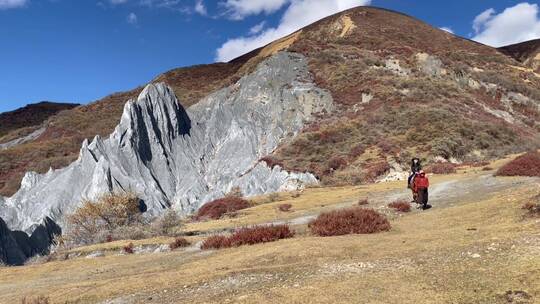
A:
402, 88
478, 244
17, 123
405, 88
527, 52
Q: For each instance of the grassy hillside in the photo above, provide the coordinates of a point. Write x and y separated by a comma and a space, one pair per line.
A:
475, 246
405, 88
32, 115
526, 52
402, 88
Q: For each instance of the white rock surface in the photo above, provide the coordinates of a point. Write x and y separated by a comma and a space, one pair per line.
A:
10, 144
181, 159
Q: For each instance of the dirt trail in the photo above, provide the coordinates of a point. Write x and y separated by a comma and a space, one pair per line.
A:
441, 195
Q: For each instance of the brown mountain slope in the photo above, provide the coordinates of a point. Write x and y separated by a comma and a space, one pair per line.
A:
406, 88
402, 86
527, 52
29, 116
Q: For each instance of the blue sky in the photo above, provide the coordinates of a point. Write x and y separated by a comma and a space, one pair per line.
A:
82, 50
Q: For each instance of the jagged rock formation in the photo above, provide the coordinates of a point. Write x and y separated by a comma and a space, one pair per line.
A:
16, 246
387, 72
171, 157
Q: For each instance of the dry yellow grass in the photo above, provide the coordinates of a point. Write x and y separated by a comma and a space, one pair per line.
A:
347, 25
471, 252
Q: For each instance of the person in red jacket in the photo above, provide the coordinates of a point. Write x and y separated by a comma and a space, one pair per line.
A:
420, 189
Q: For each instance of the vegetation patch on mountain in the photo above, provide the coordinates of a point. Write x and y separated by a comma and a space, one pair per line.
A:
401, 206
354, 220
525, 165
220, 207
249, 236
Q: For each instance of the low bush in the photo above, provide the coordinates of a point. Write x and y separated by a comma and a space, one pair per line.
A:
363, 201
441, 168
167, 224
129, 248
102, 217
36, 300
272, 161
336, 163
216, 209
349, 221
216, 242
525, 165
249, 236
285, 207
401, 206
273, 197
179, 242
533, 208
373, 171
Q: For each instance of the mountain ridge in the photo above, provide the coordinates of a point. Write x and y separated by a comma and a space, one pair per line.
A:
377, 42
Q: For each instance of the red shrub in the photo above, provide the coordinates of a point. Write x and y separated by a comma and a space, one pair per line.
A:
249, 236
179, 243
401, 206
109, 238
533, 208
336, 162
442, 168
348, 221
357, 151
285, 207
375, 170
387, 147
480, 164
363, 201
216, 242
216, 209
525, 165
129, 248
272, 161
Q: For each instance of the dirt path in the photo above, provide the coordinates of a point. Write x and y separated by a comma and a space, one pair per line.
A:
441, 195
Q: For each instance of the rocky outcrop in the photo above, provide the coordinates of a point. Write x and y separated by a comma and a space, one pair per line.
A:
16, 246
21, 140
172, 157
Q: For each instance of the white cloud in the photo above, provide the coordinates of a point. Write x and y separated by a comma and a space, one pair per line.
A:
298, 14
257, 28
239, 9
7, 4
481, 19
200, 8
132, 18
447, 29
515, 24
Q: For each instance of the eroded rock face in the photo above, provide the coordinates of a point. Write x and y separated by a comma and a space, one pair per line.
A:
17, 246
178, 158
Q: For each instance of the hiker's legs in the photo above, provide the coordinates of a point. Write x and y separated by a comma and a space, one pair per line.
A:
425, 197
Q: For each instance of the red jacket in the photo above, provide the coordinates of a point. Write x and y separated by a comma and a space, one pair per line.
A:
420, 182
